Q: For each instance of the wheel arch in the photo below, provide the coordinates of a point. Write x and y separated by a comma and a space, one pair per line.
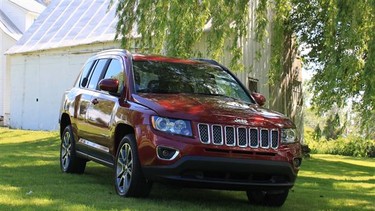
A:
121, 130
64, 121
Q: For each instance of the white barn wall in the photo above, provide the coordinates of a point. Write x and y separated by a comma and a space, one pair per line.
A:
6, 42
17, 90
7, 93
38, 81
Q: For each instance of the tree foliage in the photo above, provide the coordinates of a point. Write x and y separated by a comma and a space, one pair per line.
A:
174, 27
333, 128
339, 34
317, 134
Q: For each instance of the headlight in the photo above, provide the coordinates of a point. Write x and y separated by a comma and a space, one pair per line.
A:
288, 136
175, 126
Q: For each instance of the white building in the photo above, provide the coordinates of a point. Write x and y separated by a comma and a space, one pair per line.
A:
15, 17
47, 59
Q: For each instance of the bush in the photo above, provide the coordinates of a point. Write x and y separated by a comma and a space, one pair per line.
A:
349, 146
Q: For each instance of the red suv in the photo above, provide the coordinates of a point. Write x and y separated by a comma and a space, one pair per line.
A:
187, 122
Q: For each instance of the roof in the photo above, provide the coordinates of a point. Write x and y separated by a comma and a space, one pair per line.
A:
157, 58
31, 6
69, 23
9, 27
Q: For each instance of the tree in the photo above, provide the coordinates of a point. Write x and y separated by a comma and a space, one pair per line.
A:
317, 133
333, 128
339, 34
173, 27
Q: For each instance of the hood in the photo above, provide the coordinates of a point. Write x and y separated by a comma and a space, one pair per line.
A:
212, 109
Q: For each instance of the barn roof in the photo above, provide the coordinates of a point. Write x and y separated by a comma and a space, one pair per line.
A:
9, 27
69, 23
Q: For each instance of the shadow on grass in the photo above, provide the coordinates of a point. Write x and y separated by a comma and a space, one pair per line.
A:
31, 179
335, 185
320, 165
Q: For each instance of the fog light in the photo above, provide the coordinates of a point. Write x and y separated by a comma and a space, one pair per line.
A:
297, 162
166, 153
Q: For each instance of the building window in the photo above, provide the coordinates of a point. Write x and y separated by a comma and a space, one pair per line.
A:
253, 85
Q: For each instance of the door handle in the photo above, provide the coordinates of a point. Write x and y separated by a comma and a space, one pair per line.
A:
95, 101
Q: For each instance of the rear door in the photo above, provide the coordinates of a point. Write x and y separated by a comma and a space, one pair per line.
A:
90, 75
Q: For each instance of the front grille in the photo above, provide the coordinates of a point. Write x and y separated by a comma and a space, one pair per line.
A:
254, 137
238, 136
204, 133
264, 138
242, 137
217, 135
230, 136
274, 138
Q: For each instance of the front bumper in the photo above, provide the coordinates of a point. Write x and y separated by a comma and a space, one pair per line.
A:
224, 173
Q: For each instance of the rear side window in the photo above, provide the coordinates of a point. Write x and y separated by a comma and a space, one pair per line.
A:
85, 74
96, 73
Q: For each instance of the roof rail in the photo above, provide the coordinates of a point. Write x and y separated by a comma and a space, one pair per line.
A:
211, 61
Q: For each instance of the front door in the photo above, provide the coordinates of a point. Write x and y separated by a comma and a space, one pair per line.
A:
100, 114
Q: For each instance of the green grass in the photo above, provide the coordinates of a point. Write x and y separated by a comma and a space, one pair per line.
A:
30, 179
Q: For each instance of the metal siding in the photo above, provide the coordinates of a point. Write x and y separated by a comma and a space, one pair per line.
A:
45, 76
17, 96
6, 42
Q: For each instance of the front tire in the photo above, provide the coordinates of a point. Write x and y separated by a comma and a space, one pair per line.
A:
69, 162
129, 179
267, 198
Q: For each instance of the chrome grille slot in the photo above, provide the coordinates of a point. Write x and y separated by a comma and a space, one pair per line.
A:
204, 133
253, 136
264, 138
239, 136
242, 136
274, 138
217, 135
230, 136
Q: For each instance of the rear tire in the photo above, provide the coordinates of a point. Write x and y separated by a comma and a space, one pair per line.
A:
69, 162
267, 198
129, 179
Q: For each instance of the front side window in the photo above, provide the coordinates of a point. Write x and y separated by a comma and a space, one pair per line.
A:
195, 78
115, 71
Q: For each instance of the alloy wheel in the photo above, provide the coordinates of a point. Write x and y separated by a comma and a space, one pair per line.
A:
124, 168
66, 146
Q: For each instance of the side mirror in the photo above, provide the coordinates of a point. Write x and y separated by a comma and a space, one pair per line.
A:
109, 84
259, 98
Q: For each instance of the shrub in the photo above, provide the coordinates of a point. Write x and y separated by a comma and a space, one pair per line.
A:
349, 146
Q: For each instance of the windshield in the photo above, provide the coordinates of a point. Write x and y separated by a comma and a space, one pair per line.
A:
195, 78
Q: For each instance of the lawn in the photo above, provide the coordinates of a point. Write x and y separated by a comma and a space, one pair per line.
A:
30, 179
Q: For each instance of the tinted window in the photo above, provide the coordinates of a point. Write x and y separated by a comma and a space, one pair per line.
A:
95, 76
193, 78
85, 74
115, 71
